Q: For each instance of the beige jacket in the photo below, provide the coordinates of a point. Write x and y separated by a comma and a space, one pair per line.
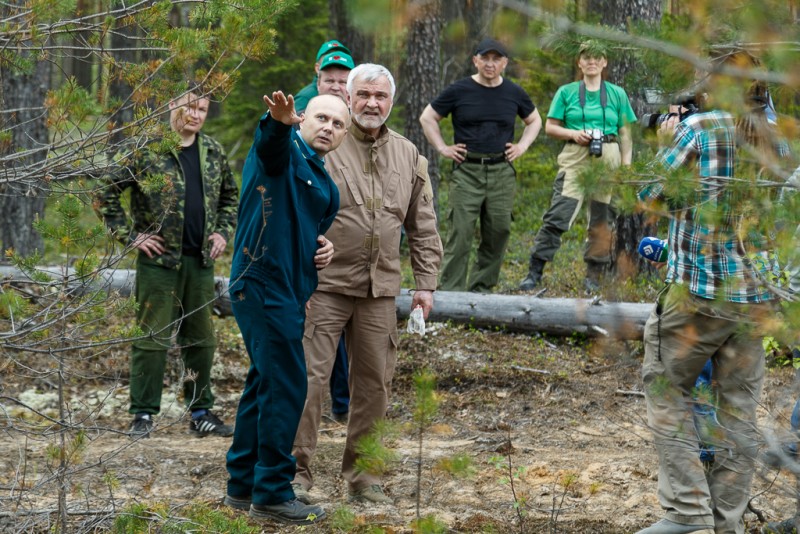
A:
383, 186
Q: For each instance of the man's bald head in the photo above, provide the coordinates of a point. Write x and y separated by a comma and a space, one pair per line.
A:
324, 123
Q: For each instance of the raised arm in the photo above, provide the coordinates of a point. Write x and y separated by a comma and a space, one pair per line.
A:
273, 133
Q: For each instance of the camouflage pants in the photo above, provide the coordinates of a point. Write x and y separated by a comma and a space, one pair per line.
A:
566, 202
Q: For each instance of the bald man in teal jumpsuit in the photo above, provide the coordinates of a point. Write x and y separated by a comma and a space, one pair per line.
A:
288, 202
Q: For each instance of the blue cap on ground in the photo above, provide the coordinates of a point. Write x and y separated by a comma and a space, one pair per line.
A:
653, 249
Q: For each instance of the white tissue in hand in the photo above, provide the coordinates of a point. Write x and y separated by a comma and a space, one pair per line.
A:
416, 322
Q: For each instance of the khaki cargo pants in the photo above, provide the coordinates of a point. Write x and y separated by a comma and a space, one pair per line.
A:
681, 334
370, 326
569, 197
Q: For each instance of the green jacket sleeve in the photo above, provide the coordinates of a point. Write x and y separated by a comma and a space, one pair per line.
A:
107, 204
228, 202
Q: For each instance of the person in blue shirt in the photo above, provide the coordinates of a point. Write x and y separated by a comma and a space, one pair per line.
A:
288, 202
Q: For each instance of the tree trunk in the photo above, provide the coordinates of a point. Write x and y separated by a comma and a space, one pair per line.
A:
522, 313
81, 65
422, 79
122, 43
23, 189
617, 14
361, 45
476, 17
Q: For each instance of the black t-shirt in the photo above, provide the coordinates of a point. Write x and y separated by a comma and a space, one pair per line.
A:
194, 213
483, 117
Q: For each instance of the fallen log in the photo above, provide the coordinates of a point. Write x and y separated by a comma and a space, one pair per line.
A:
515, 313
522, 313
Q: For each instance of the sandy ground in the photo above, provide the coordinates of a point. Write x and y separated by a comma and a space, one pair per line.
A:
563, 413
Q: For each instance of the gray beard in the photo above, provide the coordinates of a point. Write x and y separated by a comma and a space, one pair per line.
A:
369, 123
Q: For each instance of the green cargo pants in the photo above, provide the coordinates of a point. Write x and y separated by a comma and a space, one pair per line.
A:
170, 300
485, 192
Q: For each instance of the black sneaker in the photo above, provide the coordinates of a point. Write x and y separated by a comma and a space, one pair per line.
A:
293, 512
141, 426
209, 424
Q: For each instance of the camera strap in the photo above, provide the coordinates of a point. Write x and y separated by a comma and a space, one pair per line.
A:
603, 95
603, 101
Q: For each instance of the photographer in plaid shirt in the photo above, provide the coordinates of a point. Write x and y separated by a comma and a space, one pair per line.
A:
711, 307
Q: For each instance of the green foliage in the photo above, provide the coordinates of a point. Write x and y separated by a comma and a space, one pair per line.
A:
111, 480
69, 105
343, 519
459, 465
427, 402
303, 29
189, 44
69, 234
374, 457
509, 476
133, 519
71, 452
49, 11
429, 525
207, 519
12, 305
158, 517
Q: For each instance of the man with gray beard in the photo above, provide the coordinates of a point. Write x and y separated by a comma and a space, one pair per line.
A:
383, 187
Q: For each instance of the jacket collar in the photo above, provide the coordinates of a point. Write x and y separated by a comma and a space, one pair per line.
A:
307, 152
203, 146
364, 137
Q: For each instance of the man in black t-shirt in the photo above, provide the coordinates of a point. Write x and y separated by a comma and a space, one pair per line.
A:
484, 107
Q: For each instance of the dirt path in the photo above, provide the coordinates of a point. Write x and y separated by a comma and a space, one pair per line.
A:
580, 452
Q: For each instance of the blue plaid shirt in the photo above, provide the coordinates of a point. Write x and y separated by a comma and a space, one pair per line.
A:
707, 250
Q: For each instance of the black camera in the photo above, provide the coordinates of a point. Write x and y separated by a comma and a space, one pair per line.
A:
596, 144
686, 103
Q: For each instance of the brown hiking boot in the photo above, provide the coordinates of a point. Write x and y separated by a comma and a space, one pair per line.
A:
301, 494
370, 494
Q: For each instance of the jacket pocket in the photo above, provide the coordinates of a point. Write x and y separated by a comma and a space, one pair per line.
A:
396, 195
349, 194
308, 333
309, 194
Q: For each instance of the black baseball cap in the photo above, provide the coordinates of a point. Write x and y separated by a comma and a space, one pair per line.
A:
489, 45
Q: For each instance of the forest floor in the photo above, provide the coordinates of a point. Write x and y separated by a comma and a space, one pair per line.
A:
555, 430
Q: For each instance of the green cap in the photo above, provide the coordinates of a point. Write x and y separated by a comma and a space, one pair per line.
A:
593, 48
336, 58
331, 46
